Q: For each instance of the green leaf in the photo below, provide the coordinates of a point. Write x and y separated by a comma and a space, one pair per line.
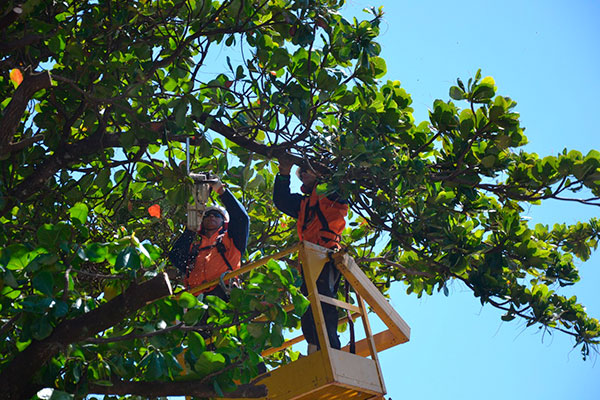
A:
488, 161
128, 259
378, 67
51, 236
56, 44
209, 362
79, 212
180, 114
96, 252
300, 302
276, 337
256, 330
187, 300
156, 367
457, 93
44, 282
60, 309
196, 343
191, 317
41, 328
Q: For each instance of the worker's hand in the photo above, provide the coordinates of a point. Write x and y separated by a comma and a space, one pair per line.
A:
285, 166
217, 186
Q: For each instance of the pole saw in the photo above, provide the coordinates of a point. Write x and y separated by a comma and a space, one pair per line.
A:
200, 193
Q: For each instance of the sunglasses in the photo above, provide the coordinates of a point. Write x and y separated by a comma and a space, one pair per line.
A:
214, 214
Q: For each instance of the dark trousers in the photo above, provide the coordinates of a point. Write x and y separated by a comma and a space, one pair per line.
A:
327, 285
219, 292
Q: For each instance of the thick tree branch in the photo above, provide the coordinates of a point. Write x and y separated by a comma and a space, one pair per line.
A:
16, 376
182, 388
277, 151
17, 44
14, 147
15, 109
62, 158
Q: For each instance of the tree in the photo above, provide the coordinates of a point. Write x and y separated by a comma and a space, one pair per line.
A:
99, 98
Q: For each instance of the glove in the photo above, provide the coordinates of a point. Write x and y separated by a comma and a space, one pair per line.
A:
217, 185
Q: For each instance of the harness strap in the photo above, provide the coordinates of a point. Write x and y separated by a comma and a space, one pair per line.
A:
350, 321
324, 224
196, 249
221, 249
307, 209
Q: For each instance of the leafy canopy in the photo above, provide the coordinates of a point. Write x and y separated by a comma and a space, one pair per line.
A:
98, 99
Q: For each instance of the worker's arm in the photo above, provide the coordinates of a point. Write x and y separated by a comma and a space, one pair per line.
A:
180, 252
285, 201
336, 197
239, 221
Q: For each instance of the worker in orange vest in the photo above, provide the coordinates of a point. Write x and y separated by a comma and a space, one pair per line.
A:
320, 220
204, 255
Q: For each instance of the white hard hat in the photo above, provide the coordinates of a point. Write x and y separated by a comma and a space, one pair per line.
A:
220, 210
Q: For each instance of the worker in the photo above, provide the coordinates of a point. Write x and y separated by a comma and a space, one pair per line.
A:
217, 248
320, 220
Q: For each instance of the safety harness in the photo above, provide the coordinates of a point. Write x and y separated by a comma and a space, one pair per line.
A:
315, 209
195, 251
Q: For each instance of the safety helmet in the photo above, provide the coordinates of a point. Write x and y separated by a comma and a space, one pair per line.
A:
220, 210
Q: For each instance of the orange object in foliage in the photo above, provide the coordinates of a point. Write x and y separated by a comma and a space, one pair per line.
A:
154, 210
16, 76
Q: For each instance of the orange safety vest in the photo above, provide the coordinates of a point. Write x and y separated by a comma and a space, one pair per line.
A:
321, 220
210, 264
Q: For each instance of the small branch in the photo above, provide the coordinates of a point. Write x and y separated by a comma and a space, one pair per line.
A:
178, 327
404, 270
132, 335
100, 276
66, 287
278, 151
6, 327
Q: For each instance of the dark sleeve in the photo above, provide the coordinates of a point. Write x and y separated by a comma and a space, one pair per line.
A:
180, 252
239, 221
285, 201
336, 197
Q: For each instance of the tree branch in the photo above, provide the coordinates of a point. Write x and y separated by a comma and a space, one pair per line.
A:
17, 44
400, 267
181, 388
278, 151
64, 157
15, 109
16, 376
14, 147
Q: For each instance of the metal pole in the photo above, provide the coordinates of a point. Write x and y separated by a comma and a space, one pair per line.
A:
187, 154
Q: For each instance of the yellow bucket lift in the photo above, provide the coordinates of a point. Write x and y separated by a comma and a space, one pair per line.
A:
328, 373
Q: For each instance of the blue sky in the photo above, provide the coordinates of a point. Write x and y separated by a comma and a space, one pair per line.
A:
546, 56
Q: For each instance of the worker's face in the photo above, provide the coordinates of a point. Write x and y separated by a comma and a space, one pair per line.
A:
308, 178
212, 220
